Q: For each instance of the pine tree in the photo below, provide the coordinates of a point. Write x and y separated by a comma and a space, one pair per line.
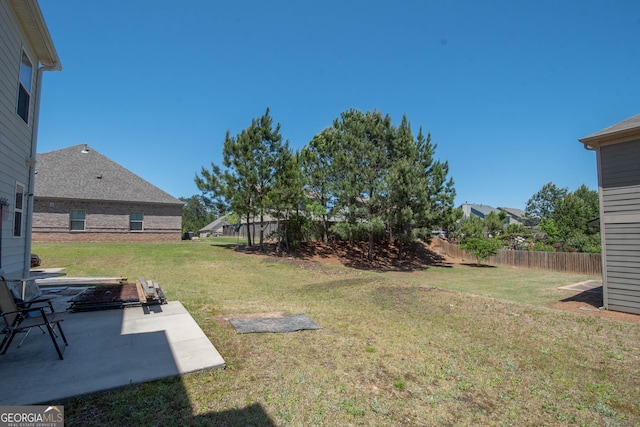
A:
252, 160
419, 195
361, 163
317, 166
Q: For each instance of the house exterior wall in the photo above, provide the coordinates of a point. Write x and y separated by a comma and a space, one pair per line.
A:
619, 166
104, 221
16, 137
270, 228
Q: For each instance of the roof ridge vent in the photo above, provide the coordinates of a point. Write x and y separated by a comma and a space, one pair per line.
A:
85, 150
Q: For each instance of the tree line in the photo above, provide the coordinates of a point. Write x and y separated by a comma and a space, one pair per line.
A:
364, 179
361, 179
566, 219
555, 220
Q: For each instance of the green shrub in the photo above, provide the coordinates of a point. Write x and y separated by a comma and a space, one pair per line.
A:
482, 247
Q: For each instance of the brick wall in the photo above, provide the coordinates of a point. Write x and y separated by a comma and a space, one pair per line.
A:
104, 221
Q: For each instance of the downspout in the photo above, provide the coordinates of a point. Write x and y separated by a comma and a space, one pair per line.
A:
31, 162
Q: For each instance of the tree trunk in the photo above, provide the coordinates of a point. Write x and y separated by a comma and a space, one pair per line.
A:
248, 232
286, 238
370, 256
253, 225
261, 231
325, 229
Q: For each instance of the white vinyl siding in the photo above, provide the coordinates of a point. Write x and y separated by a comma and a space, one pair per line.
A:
13, 48
15, 136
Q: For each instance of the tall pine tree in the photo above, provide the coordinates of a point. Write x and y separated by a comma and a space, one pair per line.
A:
418, 193
317, 166
252, 160
361, 163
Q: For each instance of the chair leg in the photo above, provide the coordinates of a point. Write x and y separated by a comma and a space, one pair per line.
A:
8, 340
3, 343
43, 332
55, 342
27, 334
62, 334
25, 337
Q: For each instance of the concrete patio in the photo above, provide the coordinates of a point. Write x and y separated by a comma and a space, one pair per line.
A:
107, 349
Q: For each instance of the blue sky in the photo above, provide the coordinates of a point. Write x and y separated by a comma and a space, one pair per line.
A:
505, 88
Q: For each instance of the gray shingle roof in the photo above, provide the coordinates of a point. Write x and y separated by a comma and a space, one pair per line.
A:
478, 210
514, 212
215, 225
70, 173
625, 125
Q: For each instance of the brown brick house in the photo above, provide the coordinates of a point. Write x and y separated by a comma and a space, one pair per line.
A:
81, 195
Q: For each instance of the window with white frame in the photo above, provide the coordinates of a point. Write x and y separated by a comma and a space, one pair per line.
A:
77, 220
135, 221
18, 217
24, 88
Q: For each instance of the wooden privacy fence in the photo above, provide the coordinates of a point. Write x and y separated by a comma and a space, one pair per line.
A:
570, 262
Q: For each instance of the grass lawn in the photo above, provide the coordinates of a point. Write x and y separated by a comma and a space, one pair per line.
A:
439, 346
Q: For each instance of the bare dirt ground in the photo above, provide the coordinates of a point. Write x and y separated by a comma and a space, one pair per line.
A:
313, 256
590, 303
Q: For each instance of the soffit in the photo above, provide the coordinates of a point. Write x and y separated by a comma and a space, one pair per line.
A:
32, 22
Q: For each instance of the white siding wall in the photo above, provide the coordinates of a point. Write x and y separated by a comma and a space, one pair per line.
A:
15, 135
620, 180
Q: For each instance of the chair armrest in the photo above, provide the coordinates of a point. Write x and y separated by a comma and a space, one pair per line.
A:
25, 310
40, 300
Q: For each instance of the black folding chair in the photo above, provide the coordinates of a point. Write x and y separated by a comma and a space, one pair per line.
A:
23, 319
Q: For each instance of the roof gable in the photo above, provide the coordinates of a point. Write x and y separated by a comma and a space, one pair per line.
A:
514, 212
218, 223
478, 210
76, 173
620, 132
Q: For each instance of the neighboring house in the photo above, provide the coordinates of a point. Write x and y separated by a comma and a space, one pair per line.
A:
216, 228
81, 195
269, 227
618, 162
481, 211
26, 52
514, 216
